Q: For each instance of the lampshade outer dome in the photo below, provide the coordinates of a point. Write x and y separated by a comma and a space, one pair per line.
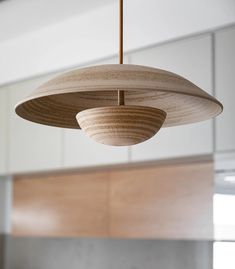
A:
58, 101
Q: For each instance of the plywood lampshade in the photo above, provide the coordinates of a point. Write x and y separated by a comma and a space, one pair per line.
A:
121, 125
118, 104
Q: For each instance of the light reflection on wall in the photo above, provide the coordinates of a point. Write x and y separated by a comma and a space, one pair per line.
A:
224, 216
224, 229
224, 255
29, 219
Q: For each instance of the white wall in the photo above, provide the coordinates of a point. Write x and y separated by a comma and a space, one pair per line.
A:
3, 131
224, 83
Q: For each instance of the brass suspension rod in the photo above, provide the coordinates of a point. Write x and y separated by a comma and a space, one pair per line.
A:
121, 93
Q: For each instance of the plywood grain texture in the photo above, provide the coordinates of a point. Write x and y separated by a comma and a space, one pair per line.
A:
170, 202
159, 202
58, 101
61, 205
121, 125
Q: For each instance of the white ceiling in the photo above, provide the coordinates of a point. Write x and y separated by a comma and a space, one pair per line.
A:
18, 17
43, 36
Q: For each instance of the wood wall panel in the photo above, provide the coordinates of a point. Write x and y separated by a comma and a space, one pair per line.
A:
163, 202
170, 202
61, 205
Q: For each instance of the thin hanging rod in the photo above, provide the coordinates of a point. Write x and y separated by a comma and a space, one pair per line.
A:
121, 93
120, 31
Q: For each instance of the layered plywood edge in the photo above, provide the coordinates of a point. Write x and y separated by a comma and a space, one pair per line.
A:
121, 125
58, 101
158, 202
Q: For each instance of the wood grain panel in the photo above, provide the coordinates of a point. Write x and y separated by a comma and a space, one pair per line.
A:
160, 202
170, 202
61, 205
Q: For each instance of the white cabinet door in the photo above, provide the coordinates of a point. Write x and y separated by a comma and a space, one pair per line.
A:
81, 151
225, 88
33, 147
3, 131
190, 58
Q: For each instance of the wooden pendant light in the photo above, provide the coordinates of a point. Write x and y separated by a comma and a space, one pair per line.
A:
118, 104
121, 125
